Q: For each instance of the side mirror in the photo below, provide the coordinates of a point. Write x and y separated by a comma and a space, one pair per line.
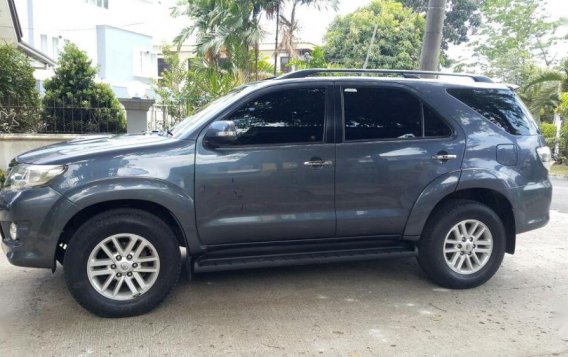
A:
220, 133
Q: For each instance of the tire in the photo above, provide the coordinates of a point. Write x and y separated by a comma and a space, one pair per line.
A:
440, 245
155, 261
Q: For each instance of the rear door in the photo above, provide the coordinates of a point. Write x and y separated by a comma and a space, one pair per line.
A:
392, 145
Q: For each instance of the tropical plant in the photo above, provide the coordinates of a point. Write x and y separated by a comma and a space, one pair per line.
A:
75, 103
289, 25
544, 89
19, 99
398, 37
225, 30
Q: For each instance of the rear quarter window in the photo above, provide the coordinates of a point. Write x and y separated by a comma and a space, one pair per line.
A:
502, 107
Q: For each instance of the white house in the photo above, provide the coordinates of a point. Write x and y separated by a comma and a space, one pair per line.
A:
11, 33
116, 34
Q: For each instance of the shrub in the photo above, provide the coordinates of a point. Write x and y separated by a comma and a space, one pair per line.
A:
19, 99
548, 130
75, 103
2, 177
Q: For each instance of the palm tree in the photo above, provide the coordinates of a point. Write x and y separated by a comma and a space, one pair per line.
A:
545, 89
290, 24
550, 86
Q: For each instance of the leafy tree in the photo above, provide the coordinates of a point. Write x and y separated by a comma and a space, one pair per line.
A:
75, 103
398, 38
172, 87
514, 33
314, 59
184, 88
462, 19
19, 99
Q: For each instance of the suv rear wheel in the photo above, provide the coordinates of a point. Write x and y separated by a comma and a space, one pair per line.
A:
122, 262
463, 244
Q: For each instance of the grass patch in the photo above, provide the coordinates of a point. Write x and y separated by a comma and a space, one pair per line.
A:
561, 170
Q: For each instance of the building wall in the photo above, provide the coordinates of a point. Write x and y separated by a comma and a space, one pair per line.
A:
12, 145
49, 24
127, 61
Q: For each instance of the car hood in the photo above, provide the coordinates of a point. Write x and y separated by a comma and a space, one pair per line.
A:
83, 147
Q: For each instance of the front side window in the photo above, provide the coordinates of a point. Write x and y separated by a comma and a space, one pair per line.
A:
282, 117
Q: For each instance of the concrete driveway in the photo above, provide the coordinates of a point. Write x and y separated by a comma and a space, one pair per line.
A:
357, 309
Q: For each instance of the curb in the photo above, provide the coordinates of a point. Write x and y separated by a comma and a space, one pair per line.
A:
558, 177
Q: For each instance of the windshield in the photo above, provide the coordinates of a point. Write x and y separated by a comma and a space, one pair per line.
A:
193, 121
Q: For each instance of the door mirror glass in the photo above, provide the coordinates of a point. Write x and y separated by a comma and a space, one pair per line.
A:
220, 133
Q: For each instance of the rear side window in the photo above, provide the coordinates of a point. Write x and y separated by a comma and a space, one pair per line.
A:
381, 113
434, 125
374, 113
500, 106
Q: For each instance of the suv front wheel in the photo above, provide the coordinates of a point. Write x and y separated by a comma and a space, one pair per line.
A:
463, 244
122, 262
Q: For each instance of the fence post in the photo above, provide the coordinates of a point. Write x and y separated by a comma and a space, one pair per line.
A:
136, 113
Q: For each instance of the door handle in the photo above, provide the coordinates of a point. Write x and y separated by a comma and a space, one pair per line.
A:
318, 163
444, 157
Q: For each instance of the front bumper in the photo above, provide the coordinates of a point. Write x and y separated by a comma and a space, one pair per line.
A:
34, 211
532, 208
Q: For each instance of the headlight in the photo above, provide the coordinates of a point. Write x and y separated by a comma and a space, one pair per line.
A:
24, 176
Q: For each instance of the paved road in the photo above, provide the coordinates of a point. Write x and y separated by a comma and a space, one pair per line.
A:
560, 196
358, 309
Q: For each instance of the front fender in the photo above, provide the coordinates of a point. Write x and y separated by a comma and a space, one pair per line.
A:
157, 191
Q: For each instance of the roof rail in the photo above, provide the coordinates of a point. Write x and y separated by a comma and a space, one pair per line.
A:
404, 73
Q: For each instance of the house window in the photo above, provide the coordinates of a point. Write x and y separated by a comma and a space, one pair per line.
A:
162, 66
43, 41
55, 47
98, 3
284, 60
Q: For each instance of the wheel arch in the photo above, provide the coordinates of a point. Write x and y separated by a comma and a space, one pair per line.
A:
87, 212
163, 199
498, 202
476, 185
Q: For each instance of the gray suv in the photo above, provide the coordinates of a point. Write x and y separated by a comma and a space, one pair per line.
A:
309, 167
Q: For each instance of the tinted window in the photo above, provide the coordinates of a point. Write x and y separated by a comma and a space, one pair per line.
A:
500, 106
381, 113
287, 116
434, 125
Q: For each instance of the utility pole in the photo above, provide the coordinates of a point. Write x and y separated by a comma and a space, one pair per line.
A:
429, 58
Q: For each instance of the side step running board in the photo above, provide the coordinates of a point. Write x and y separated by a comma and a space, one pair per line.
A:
211, 262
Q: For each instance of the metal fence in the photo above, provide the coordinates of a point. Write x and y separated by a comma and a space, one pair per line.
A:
164, 116
76, 117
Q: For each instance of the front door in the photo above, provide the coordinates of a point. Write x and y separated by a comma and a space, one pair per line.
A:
276, 181
387, 157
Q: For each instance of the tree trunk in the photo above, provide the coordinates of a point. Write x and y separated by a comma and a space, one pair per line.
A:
256, 59
276, 40
430, 56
